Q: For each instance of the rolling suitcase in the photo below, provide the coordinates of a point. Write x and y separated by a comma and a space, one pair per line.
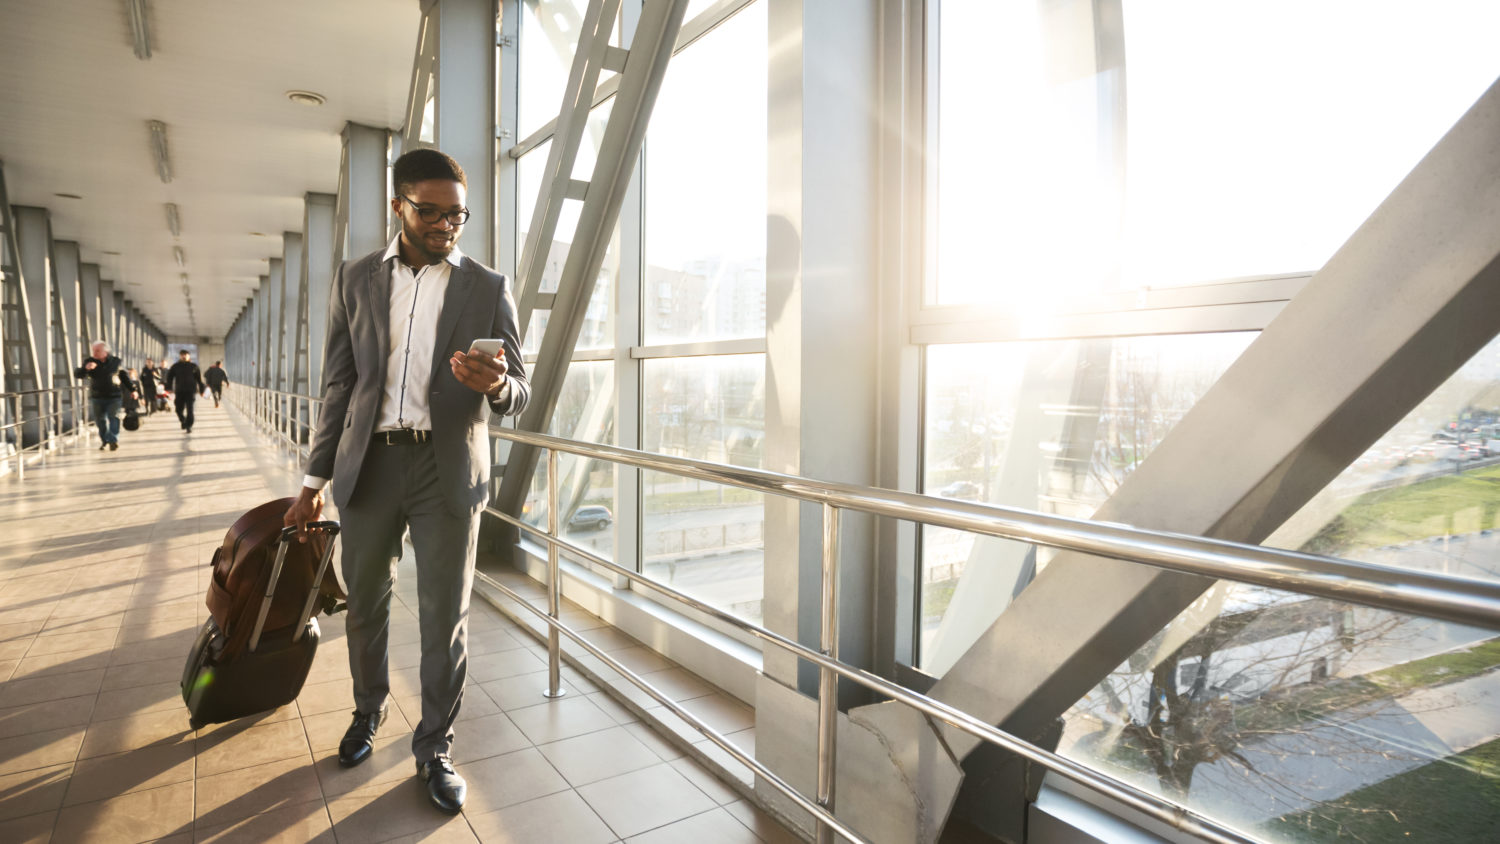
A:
223, 681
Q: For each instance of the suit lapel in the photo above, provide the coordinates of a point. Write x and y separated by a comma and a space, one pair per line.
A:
380, 310
460, 280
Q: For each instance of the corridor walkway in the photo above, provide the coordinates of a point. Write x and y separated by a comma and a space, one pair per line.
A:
103, 568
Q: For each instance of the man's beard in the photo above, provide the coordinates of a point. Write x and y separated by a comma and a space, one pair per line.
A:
423, 249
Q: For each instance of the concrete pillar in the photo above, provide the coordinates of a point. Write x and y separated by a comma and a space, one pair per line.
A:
291, 280
317, 268
367, 190
464, 117
89, 281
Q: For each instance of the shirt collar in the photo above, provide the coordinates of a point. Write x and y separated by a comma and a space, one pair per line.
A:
394, 250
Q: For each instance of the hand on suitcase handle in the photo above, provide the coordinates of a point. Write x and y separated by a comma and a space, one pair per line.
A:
330, 528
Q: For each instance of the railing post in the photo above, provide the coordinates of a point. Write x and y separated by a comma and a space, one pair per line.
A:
20, 455
554, 670
828, 681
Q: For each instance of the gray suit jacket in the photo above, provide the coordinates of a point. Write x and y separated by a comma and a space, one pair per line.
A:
477, 305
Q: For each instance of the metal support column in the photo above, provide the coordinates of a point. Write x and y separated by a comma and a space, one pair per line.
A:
33, 236
19, 350
364, 193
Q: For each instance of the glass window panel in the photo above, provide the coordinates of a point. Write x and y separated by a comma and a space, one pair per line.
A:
702, 538
705, 239
1187, 157
549, 38
1052, 426
1305, 719
587, 495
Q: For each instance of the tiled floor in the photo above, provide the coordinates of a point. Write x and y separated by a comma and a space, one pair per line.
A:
103, 567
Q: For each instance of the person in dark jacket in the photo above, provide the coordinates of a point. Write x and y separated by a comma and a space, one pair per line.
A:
216, 378
186, 382
105, 396
149, 390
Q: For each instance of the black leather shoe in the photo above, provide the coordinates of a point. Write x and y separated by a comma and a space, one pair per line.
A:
359, 740
444, 786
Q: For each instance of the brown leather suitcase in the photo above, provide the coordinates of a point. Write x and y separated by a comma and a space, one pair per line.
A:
238, 598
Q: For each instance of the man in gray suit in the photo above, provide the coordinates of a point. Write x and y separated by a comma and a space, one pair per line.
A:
402, 435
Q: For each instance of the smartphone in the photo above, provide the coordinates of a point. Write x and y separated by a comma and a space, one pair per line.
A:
491, 347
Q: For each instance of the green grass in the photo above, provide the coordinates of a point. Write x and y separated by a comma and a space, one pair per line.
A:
1452, 801
699, 499
1454, 504
1439, 669
1287, 712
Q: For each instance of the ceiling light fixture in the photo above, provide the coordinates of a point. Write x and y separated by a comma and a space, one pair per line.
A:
174, 220
140, 28
159, 150
180, 256
307, 98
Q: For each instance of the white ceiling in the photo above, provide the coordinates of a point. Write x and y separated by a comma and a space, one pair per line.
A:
74, 106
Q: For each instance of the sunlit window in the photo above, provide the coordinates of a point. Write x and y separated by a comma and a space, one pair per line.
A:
1190, 142
705, 222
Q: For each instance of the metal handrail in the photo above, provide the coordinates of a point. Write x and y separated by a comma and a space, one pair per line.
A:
1445, 596
276, 412
1465, 600
51, 434
1432, 594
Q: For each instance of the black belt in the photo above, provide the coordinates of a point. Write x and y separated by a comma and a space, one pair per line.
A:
401, 436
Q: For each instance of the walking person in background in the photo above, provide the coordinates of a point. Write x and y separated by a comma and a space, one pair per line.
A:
186, 382
216, 378
103, 371
149, 391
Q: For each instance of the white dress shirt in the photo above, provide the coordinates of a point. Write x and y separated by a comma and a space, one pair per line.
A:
416, 302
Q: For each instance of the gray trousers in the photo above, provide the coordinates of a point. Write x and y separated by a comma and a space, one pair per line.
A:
398, 487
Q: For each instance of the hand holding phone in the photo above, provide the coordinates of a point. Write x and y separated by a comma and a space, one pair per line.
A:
482, 368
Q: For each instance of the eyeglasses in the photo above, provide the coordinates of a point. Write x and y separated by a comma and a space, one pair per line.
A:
432, 215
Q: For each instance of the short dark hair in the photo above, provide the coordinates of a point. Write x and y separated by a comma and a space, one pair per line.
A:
419, 165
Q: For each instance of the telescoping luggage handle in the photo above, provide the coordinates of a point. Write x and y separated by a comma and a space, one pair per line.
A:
287, 535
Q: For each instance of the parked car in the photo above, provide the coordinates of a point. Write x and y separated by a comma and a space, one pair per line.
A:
593, 516
960, 489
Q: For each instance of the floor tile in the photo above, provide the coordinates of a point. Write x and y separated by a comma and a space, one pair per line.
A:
481, 738
142, 816
596, 756
135, 731
380, 812
558, 719
717, 826
40, 750
48, 715
258, 745
644, 800
559, 817
138, 700
30, 792
506, 780
224, 798
305, 823
762, 824
33, 829
17, 692
134, 770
